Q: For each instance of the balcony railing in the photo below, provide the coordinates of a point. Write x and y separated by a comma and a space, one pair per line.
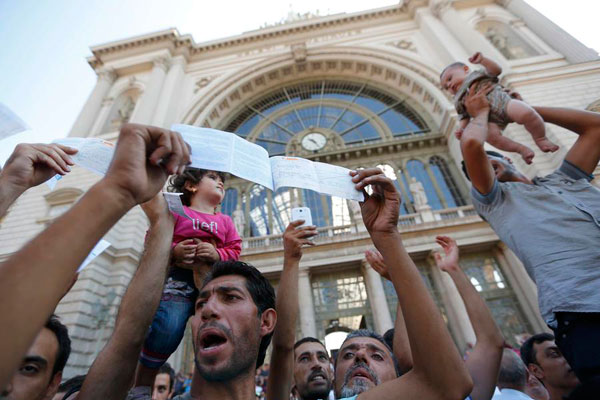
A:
339, 233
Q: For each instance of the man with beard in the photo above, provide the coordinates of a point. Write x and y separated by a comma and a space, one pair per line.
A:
313, 375
365, 365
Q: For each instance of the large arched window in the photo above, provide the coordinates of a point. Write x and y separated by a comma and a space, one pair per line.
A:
350, 112
259, 213
229, 203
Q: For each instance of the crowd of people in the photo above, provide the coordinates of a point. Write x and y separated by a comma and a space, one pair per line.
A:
190, 270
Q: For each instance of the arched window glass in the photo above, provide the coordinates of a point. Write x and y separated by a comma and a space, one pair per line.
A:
229, 201
339, 212
121, 110
506, 40
416, 169
484, 273
343, 108
259, 213
313, 201
446, 183
281, 209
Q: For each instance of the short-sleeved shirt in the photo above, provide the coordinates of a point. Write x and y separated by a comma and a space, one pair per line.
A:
553, 226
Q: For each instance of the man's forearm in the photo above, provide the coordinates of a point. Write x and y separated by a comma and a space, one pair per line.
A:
45, 267
8, 195
424, 325
116, 363
401, 343
476, 132
282, 358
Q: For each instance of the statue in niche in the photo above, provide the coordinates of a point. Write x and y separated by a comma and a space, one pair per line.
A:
239, 220
123, 113
418, 193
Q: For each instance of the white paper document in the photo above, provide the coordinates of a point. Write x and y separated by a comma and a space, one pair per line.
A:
93, 154
10, 123
96, 251
174, 203
224, 151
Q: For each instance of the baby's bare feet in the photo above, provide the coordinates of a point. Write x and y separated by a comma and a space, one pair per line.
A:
527, 154
546, 145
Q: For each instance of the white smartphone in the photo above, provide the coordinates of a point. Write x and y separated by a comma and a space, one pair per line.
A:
302, 213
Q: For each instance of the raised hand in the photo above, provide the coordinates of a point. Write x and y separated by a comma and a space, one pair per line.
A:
32, 164
156, 208
143, 159
380, 208
476, 58
375, 259
294, 238
449, 262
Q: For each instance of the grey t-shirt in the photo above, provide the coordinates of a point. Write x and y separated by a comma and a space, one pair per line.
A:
553, 226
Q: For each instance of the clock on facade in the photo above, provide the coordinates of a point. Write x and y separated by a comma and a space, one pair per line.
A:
314, 141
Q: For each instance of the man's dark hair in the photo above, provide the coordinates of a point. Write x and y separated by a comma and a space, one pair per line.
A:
166, 369
453, 65
64, 343
193, 175
388, 336
259, 287
308, 339
489, 153
528, 352
72, 384
370, 334
513, 373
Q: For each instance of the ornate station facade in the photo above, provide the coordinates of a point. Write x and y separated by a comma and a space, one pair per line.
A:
356, 90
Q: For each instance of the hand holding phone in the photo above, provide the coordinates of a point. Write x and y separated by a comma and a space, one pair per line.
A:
302, 213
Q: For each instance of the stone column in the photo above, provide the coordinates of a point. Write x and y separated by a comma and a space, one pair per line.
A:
170, 87
379, 306
455, 308
554, 36
470, 39
89, 114
147, 103
447, 47
307, 308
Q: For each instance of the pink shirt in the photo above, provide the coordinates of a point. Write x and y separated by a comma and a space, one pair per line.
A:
217, 229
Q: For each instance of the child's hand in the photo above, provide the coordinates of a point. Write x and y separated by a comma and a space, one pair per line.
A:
476, 58
208, 252
185, 251
458, 133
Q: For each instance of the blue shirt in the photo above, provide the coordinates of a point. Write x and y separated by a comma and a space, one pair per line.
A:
553, 226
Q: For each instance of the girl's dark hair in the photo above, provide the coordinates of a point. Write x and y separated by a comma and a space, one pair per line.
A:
193, 175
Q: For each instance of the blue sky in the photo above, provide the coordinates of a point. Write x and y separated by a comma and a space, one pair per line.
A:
45, 78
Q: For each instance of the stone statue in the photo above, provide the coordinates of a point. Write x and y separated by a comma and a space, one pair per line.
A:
418, 193
239, 220
354, 208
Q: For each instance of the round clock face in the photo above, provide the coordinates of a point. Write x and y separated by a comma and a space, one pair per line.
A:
314, 141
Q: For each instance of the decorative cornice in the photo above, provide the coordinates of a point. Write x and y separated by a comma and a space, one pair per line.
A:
186, 45
162, 62
107, 75
438, 8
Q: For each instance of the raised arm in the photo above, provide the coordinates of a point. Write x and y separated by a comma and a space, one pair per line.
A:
473, 140
484, 361
401, 343
33, 280
585, 153
438, 374
117, 361
286, 304
28, 166
491, 66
